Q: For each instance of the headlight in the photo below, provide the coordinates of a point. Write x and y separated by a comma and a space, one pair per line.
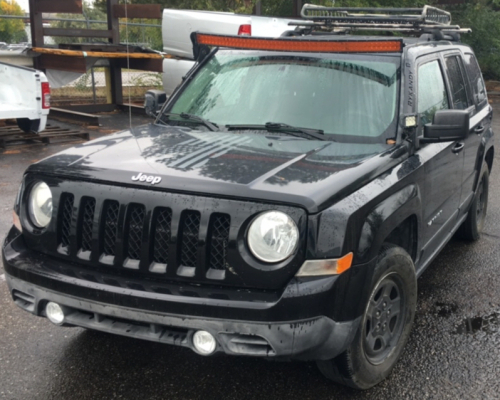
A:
40, 205
273, 237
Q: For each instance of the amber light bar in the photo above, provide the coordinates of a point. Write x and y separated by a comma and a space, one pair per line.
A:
306, 46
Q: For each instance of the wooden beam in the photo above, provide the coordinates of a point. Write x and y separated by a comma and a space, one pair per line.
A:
36, 23
100, 54
58, 6
61, 63
113, 22
145, 11
154, 65
87, 33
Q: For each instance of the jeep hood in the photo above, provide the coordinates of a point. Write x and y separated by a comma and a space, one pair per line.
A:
251, 165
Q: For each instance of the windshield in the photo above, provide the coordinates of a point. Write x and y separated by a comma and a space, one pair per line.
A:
347, 96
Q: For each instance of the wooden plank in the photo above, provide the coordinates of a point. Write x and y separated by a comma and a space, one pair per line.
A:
61, 113
99, 54
61, 63
86, 33
146, 11
155, 65
58, 6
91, 108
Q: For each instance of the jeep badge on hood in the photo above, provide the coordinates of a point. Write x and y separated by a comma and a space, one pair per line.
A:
147, 178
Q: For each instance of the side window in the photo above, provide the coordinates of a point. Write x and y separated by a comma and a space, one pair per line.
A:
432, 95
457, 83
476, 78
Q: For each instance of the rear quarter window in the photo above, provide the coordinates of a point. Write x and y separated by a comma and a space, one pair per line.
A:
476, 79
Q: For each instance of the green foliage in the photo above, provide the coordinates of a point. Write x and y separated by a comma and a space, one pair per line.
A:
484, 20
11, 30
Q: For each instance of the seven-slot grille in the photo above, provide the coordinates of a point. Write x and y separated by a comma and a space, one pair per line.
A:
131, 237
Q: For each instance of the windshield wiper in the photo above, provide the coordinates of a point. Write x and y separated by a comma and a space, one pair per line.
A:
194, 118
284, 128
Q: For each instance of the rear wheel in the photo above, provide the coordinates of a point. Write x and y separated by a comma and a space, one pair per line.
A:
385, 324
473, 226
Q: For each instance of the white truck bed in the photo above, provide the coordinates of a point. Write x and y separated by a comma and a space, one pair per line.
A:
21, 96
178, 25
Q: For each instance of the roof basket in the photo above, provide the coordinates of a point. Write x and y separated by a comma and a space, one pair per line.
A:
413, 20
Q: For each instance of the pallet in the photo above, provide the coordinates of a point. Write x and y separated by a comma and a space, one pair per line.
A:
13, 136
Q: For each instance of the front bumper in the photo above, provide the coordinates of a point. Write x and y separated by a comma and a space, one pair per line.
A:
292, 326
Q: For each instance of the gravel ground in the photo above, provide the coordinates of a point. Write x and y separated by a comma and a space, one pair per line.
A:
453, 351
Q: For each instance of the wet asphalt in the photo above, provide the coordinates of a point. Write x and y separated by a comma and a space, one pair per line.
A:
453, 351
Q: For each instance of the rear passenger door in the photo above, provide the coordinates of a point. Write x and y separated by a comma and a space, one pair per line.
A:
480, 123
443, 162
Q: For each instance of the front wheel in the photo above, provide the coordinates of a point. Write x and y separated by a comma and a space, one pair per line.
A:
385, 325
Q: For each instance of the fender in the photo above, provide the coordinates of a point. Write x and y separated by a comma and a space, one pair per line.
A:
384, 218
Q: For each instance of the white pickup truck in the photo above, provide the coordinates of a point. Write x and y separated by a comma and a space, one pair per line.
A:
179, 24
24, 96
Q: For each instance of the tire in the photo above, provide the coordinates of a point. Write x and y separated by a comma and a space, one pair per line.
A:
367, 361
28, 125
472, 227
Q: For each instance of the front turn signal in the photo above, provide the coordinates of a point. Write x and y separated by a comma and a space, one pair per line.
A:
17, 221
326, 267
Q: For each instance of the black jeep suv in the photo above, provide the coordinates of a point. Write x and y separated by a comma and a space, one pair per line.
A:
283, 203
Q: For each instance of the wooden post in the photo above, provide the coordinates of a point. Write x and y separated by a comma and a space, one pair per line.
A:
36, 27
297, 8
109, 94
257, 10
114, 83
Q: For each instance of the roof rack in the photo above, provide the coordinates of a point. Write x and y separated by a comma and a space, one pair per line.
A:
412, 20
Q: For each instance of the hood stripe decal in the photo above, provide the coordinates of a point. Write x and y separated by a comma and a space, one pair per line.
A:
225, 148
210, 145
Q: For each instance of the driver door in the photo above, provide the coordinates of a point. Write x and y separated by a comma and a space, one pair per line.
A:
443, 162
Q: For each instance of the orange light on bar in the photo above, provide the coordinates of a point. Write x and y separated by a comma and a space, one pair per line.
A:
305, 46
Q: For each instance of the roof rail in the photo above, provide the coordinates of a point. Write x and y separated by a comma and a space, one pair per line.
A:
412, 20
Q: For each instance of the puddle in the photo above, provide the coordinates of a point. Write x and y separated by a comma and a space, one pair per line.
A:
488, 324
444, 309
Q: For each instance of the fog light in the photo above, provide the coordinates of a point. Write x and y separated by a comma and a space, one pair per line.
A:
54, 313
204, 342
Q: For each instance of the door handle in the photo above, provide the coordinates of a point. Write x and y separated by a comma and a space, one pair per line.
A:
479, 129
458, 148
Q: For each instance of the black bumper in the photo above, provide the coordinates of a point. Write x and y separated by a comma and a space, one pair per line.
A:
295, 325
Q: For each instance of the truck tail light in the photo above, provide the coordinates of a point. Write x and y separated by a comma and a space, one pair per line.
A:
245, 30
45, 95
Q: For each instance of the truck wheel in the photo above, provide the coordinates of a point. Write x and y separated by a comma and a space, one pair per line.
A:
28, 125
385, 325
472, 227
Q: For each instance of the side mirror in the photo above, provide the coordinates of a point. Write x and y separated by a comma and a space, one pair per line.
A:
153, 102
447, 126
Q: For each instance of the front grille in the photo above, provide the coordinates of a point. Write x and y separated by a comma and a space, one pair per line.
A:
162, 235
189, 238
65, 216
87, 222
153, 240
135, 224
218, 241
110, 231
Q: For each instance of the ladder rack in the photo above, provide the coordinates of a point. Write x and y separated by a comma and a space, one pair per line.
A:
412, 20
